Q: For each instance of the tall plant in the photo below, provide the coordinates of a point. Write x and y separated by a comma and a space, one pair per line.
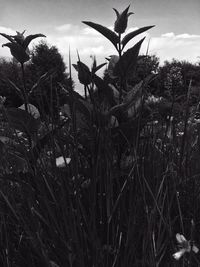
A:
18, 46
127, 60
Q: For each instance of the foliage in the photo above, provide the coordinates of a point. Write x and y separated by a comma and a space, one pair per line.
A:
43, 73
174, 77
114, 178
10, 71
44, 58
18, 45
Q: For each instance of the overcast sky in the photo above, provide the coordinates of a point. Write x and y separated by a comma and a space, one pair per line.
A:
176, 34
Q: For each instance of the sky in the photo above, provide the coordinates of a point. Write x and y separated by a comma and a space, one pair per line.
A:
176, 33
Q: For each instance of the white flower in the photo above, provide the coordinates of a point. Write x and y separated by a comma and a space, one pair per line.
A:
53, 264
61, 162
153, 99
179, 254
185, 246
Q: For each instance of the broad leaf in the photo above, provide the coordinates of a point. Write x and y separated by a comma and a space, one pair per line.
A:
110, 35
132, 34
127, 63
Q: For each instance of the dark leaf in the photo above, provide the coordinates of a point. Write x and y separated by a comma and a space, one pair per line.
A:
127, 63
29, 38
132, 34
95, 69
7, 37
110, 35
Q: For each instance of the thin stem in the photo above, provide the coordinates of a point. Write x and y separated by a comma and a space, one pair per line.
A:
24, 90
184, 138
25, 96
121, 78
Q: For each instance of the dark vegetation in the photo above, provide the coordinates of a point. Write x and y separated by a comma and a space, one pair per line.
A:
104, 179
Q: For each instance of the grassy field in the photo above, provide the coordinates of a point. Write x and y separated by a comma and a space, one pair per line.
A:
110, 178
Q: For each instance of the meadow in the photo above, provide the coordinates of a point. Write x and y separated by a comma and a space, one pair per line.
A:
109, 178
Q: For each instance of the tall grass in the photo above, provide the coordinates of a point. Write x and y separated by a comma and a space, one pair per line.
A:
128, 189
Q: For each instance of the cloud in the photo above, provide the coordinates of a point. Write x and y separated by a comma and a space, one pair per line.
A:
181, 46
181, 36
7, 30
99, 50
187, 36
64, 28
168, 35
90, 31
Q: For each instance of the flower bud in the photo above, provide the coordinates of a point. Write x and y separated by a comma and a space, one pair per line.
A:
122, 20
18, 52
84, 74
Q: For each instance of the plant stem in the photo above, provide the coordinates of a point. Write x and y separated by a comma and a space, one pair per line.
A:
121, 78
184, 138
24, 90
